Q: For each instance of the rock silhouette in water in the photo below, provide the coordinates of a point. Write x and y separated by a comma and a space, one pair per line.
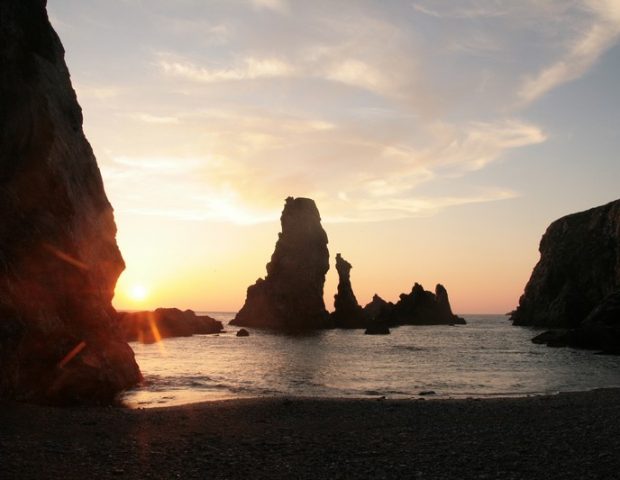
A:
579, 266
290, 297
574, 285
420, 307
150, 327
378, 310
59, 262
347, 312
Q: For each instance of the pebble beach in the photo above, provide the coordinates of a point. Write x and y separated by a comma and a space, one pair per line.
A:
570, 435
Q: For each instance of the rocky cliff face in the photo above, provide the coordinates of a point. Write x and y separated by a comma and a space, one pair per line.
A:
59, 262
290, 297
579, 266
347, 312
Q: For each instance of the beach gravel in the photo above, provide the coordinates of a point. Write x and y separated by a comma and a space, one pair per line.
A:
567, 436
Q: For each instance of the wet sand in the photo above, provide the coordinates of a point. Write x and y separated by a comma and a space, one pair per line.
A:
566, 436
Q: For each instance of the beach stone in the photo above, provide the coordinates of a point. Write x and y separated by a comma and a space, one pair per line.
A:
347, 312
290, 297
60, 340
242, 332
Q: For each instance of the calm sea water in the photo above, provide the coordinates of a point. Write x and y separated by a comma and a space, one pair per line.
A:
486, 358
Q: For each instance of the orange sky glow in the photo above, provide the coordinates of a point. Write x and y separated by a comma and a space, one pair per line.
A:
438, 139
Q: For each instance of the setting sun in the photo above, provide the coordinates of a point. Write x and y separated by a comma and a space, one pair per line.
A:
138, 292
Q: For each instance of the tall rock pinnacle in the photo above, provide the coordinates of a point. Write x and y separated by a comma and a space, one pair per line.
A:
290, 297
347, 312
59, 262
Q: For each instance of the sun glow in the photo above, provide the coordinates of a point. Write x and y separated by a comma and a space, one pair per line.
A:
138, 293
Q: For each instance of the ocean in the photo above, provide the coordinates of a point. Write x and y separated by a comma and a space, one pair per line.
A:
488, 357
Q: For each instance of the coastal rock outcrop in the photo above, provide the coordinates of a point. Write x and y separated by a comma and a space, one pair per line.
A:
378, 310
347, 312
290, 297
579, 266
149, 327
421, 307
59, 336
574, 287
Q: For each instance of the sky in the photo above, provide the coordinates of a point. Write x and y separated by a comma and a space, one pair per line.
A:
438, 138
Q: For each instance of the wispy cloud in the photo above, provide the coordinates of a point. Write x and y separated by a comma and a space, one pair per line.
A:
369, 109
582, 53
465, 10
249, 69
156, 119
280, 6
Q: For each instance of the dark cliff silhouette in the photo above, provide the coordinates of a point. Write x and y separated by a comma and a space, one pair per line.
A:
575, 284
59, 262
290, 297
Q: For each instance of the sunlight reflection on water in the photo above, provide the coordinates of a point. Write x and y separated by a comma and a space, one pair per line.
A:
487, 357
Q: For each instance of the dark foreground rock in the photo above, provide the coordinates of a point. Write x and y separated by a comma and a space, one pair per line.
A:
419, 307
576, 284
568, 436
59, 262
242, 332
377, 329
149, 327
290, 297
347, 312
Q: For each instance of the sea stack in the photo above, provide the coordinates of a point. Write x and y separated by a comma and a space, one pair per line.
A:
576, 283
290, 297
59, 337
421, 307
347, 312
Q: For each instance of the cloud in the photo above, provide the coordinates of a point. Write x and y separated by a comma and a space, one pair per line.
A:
581, 55
249, 69
156, 119
279, 6
251, 160
97, 92
469, 10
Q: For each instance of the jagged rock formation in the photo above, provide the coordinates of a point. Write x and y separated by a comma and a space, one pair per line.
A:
378, 310
59, 262
291, 295
579, 266
420, 307
149, 327
347, 312
574, 285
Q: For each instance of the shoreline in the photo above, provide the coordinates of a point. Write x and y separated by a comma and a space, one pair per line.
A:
434, 397
568, 435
